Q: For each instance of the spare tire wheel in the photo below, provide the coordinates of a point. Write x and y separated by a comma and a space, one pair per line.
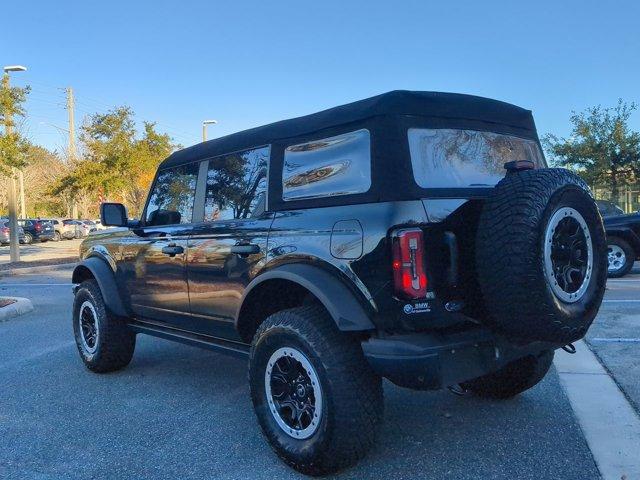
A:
541, 256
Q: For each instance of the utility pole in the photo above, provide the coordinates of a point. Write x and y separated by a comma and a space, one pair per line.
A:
72, 128
72, 152
14, 249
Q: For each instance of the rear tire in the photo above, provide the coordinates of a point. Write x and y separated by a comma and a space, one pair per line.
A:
620, 256
512, 379
104, 341
338, 423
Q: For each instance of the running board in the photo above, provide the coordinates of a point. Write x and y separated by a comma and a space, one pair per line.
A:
197, 340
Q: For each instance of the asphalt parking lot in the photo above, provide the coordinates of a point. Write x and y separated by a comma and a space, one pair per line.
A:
181, 412
615, 335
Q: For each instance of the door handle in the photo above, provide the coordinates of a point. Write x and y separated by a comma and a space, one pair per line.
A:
172, 249
245, 249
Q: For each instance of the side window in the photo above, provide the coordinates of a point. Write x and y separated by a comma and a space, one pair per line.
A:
236, 185
171, 200
329, 167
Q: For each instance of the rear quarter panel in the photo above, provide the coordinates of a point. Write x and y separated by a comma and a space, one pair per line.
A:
305, 235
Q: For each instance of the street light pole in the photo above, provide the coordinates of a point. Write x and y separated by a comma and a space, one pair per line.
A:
204, 128
14, 249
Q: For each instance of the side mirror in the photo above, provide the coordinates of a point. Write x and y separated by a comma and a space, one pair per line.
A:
113, 215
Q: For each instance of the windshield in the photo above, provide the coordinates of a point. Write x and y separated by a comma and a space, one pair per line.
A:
466, 158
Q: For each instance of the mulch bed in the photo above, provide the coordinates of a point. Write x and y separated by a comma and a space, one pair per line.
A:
6, 301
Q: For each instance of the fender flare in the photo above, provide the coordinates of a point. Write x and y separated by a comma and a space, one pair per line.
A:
102, 272
335, 296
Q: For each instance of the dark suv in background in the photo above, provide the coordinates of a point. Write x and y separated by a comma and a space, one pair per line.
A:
623, 242
415, 236
37, 230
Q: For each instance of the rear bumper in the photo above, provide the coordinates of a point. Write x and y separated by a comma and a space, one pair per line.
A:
429, 361
7, 239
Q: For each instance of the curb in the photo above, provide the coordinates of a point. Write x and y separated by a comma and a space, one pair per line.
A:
609, 423
20, 307
40, 268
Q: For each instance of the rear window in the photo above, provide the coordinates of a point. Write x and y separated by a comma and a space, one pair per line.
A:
448, 158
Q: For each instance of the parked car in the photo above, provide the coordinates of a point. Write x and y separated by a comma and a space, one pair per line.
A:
37, 229
99, 225
62, 231
79, 228
623, 243
90, 224
413, 236
608, 209
5, 232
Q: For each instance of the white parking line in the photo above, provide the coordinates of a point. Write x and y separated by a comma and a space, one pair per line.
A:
609, 423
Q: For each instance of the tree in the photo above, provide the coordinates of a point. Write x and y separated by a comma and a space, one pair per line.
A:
43, 170
12, 146
602, 148
115, 163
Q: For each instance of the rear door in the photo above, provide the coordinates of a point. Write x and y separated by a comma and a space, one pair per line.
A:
156, 252
228, 248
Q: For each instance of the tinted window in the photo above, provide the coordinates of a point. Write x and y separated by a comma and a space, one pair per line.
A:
171, 200
466, 158
329, 167
236, 185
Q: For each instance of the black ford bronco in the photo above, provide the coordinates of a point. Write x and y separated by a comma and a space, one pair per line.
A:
413, 236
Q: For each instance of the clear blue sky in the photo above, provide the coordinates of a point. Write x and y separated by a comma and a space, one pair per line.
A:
250, 63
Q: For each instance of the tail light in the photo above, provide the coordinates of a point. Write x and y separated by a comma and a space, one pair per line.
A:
409, 275
38, 226
4, 230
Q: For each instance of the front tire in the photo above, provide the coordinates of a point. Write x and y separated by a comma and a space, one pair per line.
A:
512, 379
316, 398
57, 237
104, 341
28, 239
620, 256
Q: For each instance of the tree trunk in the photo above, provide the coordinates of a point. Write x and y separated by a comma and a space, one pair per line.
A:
614, 184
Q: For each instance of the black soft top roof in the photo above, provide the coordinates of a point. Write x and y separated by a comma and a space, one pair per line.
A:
435, 105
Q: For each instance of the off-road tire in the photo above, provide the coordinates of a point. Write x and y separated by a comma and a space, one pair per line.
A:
352, 393
510, 257
116, 342
630, 257
512, 379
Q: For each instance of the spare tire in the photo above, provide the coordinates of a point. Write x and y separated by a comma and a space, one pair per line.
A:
541, 256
